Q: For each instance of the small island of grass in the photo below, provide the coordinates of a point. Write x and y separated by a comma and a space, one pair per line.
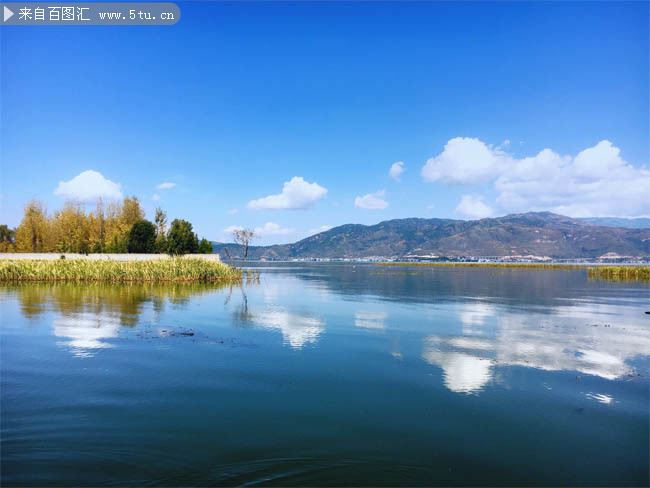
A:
176, 269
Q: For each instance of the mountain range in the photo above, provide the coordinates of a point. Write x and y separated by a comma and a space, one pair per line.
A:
542, 234
640, 223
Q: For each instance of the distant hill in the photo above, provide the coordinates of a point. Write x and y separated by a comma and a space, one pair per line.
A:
619, 222
535, 233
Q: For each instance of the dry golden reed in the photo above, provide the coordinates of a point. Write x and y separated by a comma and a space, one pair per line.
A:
620, 273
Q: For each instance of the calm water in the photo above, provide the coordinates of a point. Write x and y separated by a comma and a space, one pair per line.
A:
321, 375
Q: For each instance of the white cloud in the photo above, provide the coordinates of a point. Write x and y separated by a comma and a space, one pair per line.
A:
232, 228
155, 197
268, 229
473, 207
465, 161
396, 170
233, 211
167, 185
88, 186
430, 206
597, 182
372, 201
272, 229
318, 230
296, 194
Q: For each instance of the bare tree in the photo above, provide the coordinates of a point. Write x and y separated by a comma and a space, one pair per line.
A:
229, 256
243, 237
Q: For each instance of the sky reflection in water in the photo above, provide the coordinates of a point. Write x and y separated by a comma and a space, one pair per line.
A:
584, 336
342, 362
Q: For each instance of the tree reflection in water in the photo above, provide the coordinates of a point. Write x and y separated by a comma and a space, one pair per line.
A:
88, 314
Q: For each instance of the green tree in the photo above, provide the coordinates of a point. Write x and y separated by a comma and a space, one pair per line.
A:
7, 239
142, 237
161, 246
118, 245
181, 239
205, 246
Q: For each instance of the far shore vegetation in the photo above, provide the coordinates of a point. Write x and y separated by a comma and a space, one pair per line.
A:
117, 227
149, 271
485, 265
611, 273
620, 273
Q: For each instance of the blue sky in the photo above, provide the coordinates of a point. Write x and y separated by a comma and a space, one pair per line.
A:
493, 108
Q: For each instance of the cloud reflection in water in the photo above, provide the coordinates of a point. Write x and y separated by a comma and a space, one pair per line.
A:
571, 338
297, 330
371, 320
86, 331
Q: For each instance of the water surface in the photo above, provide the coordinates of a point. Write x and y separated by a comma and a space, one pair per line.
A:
329, 375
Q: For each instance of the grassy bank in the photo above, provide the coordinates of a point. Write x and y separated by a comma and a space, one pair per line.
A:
80, 270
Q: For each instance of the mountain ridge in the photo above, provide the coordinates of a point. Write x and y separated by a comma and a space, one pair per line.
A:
634, 223
542, 234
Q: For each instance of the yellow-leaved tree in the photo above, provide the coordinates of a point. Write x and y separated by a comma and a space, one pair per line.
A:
34, 234
72, 228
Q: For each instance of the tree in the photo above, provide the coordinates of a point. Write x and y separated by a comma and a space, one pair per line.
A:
205, 246
71, 228
97, 227
181, 239
112, 224
142, 237
119, 218
131, 212
33, 233
161, 230
243, 237
161, 222
7, 239
161, 245
118, 245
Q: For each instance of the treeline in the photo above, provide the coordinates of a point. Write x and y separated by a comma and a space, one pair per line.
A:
117, 227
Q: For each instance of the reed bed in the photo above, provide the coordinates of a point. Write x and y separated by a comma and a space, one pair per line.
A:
252, 276
491, 265
610, 273
620, 273
82, 270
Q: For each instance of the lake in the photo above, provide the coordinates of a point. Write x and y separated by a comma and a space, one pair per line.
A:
329, 375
